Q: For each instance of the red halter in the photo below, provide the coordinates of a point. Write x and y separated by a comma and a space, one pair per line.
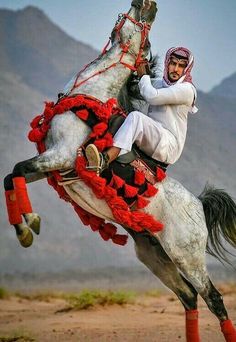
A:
144, 29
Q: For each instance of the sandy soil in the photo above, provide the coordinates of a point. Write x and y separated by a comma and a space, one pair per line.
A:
149, 319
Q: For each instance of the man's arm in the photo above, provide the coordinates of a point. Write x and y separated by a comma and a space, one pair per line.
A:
178, 94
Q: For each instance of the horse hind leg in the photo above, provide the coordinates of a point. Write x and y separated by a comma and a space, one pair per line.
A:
155, 258
194, 270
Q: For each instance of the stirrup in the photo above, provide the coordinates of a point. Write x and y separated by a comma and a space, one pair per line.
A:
96, 160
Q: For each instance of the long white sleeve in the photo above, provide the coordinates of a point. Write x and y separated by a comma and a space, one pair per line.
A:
177, 94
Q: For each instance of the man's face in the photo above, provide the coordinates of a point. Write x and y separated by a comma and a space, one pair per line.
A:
176, 68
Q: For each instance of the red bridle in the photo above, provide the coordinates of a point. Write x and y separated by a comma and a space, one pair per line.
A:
144, 30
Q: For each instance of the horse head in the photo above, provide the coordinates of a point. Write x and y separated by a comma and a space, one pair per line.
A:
132, 28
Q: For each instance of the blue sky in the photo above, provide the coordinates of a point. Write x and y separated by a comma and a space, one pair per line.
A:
207, 27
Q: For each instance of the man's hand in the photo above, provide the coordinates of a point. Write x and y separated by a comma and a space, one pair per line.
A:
143, 69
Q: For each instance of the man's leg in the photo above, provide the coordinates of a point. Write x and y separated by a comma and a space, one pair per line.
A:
138, 128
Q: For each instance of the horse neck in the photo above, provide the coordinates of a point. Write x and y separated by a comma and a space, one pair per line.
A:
110, 81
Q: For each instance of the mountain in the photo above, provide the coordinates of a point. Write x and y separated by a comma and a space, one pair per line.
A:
226, 88
36, 59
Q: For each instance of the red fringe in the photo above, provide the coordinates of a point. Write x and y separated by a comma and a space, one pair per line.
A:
151, 191
116, 182
98, 130
120, 239
141, 202
160, 174
83, 114
130, 191
105, 142
139, 177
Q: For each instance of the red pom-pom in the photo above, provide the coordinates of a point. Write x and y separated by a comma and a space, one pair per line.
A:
36, 135
142, 202
99, 129
151, 191
104, 235
82, 114
139, 177
100, 144
35, 122
120, 239
110, 229
160, 174
130, 191
95, 223
117, 182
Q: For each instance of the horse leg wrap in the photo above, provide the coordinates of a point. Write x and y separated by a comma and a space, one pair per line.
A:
228, 330
22, 195
192, 333
14, 214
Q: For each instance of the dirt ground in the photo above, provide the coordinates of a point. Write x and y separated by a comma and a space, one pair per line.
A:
149, 319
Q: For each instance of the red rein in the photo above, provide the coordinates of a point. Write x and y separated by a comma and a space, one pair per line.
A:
144, 29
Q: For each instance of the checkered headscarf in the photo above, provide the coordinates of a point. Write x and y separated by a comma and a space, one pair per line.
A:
182, 52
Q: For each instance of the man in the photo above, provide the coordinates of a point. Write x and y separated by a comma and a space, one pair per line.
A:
162, 132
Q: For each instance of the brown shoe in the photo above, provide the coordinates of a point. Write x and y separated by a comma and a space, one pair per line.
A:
96, 160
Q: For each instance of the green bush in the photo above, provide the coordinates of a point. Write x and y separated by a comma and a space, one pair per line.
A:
4, 294
90, 298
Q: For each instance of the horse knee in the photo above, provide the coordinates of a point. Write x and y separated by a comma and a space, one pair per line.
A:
8, 183
23, 167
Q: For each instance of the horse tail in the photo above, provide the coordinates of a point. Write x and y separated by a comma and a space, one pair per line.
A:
220, 214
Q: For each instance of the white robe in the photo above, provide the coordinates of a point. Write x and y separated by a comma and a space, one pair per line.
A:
162, 132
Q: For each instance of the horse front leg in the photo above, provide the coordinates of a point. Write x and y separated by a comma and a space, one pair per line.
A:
18, 203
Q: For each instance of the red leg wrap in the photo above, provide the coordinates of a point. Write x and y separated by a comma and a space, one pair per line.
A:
228, 330
12, 207
22, 195
192, 333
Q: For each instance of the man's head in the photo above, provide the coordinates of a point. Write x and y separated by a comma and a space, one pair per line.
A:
178, 65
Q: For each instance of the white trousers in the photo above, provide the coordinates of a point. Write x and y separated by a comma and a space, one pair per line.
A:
149, 135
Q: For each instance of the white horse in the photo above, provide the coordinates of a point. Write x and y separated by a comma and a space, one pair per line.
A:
176, 255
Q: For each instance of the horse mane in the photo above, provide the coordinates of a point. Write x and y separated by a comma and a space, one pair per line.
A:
130, 98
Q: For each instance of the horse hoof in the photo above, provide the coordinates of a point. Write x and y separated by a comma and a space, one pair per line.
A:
25, 237
33, 221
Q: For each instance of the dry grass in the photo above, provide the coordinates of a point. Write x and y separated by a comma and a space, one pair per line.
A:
18, 335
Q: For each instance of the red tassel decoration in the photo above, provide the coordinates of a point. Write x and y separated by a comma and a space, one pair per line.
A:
22, 195
99, 130
141, 202
139, 177
104, 235
14, 215
130, 191
120, 239
82, 114
160, 174
36, 135
117, 182
35, 122
110, 229
228, 330
192, 333
151, 191
95, 223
